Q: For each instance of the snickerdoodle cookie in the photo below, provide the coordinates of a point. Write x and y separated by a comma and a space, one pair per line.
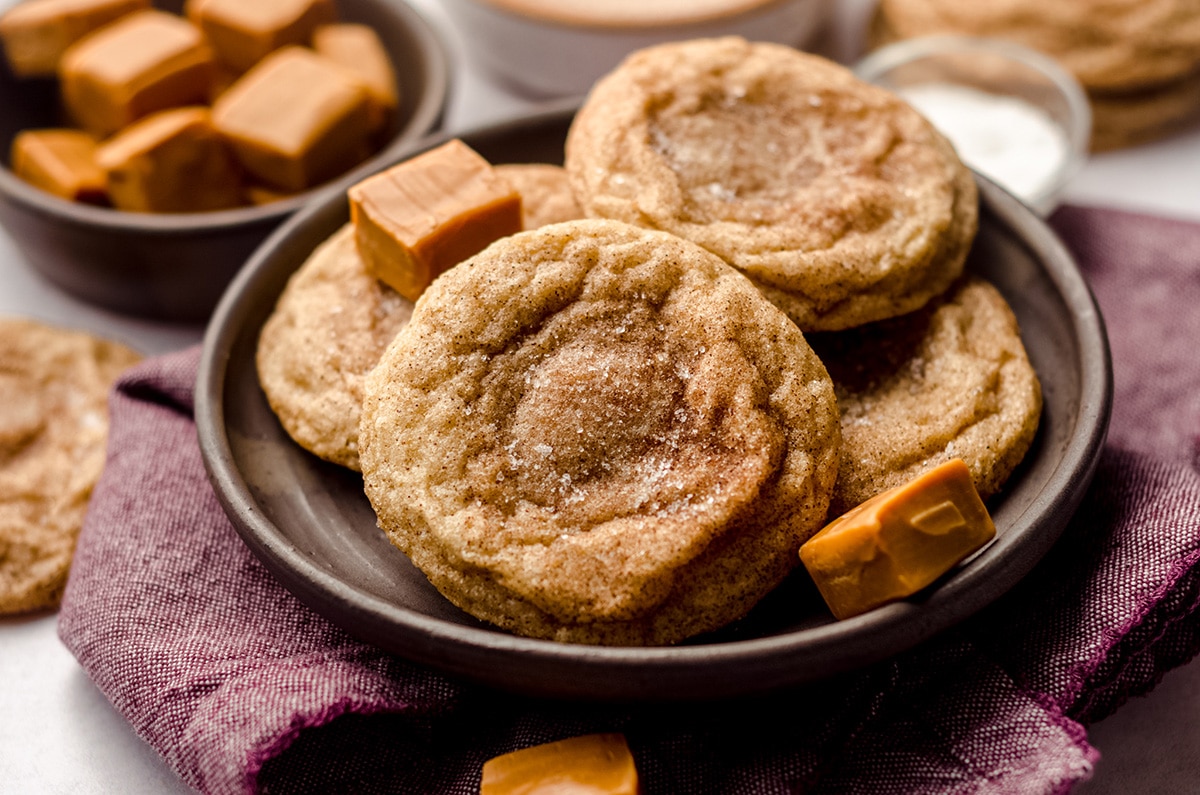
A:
597, 433
329, 327
836, 198
546, 196
54, 385
951, 380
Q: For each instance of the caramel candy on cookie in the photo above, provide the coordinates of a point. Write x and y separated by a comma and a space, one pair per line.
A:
61, 162
950, 381
36, 33
296, 119
898, 542
596, 433
834, 196
243, 32
144, 62
421, 217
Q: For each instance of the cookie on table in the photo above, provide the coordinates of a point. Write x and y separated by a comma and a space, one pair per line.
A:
54, 385
841, 202
329, 327
597, 433
546, 196
952, 380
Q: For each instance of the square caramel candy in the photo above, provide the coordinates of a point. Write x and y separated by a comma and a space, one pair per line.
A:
61, 162
358, 48
422, 217
36, 33
171, 162
296, 119
144, 62
243, 32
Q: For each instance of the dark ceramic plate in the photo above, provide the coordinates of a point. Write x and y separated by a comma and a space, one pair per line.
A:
313, 528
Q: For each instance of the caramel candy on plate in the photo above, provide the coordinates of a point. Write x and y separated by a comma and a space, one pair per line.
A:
899, 541
61, 162
296, 119
358, 48
598, 764
142, 63
36, 33
422, 217
243, 32
171, 162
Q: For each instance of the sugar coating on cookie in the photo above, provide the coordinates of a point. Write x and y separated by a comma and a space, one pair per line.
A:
840, 201
54, 385
329, 327
546, 196
950, 381
1106, 44
597, 433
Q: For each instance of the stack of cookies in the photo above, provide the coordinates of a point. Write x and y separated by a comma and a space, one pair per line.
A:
740, 306
1138, 61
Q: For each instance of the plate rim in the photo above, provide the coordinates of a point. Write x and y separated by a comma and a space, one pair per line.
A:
495, 658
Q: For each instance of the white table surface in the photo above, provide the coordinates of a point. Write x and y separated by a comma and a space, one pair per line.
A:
58, 733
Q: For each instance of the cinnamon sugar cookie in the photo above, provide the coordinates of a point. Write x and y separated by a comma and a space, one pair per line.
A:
597, 433
546, 196
330, 326
54, 386
836, 198
949, 381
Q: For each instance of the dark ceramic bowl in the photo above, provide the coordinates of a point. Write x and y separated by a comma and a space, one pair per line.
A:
175, 267
311, 525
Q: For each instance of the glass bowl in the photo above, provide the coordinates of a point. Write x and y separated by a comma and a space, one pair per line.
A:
1013, 114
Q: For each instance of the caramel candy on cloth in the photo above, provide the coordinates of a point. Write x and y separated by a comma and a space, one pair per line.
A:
421, 217
358, 48
146, 61
834, 196
589, 764
596, 433
171, 162
243, 32
899, 541
61, 162
36, 33
296, 119
53, 429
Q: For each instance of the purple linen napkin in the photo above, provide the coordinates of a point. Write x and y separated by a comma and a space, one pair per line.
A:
241, 688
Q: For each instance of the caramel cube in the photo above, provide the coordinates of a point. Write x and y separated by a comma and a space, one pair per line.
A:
422, 217
358, 48
899, 541
62, 162
243, 32
144, 62
296, 119
171, 162
599, 764
36, 33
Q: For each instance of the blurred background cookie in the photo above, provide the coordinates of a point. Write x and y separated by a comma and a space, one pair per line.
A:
597, 433
1139, 61
836, 198
949, 381
54, 386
